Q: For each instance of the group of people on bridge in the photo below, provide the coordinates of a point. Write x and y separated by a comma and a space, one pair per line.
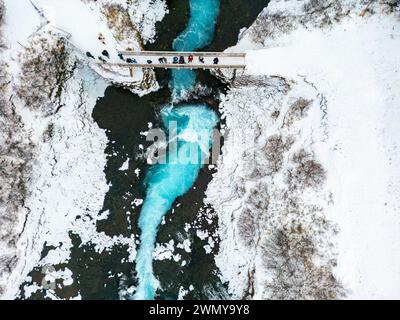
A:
161, 60
175, 60
181, 60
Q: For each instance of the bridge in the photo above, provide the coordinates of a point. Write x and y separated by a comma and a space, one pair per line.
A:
181, 60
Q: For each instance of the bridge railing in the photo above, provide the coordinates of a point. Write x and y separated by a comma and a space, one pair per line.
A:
184, 53
175, 66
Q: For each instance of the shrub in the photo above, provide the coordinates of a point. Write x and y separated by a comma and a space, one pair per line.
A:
15, 161
288, 255
274, 151
257, 201
297, 111
268, 26
120, 22
46, 67
307, 172
247, 226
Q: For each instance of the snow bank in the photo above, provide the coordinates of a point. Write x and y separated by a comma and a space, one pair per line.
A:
65, 147
353, 65
357, 67
54, 201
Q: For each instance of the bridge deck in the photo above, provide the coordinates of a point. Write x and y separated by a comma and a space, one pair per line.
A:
165, 59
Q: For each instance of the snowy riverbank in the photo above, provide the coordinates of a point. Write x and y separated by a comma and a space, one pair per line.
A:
59, 145
336, 97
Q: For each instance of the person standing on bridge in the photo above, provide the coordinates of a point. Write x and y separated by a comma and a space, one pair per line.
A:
131, 60
201, 59
216, 60
182, 60
190, 59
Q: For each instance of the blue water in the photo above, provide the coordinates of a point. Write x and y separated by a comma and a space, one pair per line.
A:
166, 182
192, 136
198, 34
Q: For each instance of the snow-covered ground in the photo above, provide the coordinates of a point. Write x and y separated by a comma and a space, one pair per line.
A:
350, 69
64, 146
357, 66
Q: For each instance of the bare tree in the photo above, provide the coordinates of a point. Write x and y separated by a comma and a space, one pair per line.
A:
2, 13
46, 67
274, 151
289, 254
297, 111
307, 172
15, 167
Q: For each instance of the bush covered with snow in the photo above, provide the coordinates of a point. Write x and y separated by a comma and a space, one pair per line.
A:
2, 9
296, 191
281, 17
297, 111
289, 256
307, 171
15, 155
143, 15
274, 151
120, 22
46, 67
